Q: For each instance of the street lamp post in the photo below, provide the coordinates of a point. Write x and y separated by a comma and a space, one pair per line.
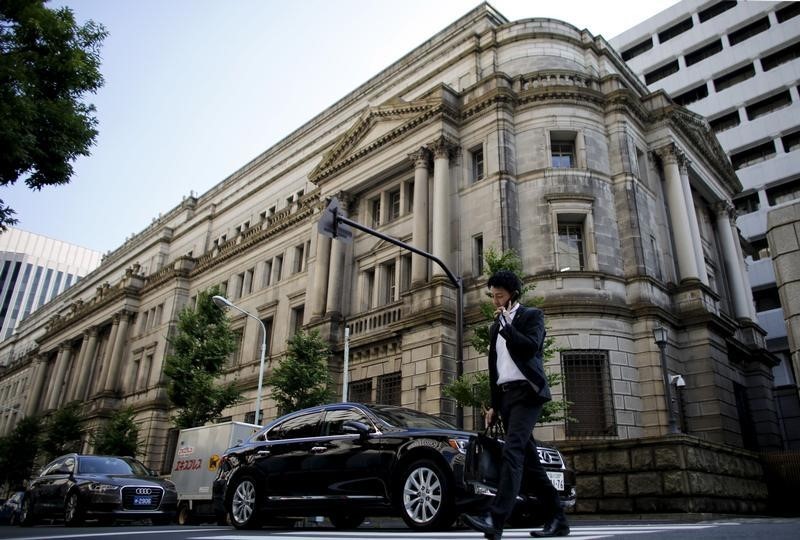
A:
660, 336
224, 303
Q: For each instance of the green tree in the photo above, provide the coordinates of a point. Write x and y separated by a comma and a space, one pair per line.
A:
48, 64
63, 431
202, 344
301, 380
119, 436
18, 452
472, 389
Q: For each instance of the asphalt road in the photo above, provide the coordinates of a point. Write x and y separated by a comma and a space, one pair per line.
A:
720, 529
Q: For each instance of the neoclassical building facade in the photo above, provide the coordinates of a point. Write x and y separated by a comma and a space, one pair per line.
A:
529, 135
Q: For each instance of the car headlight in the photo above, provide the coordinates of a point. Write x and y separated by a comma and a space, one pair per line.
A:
102, 488
459, 444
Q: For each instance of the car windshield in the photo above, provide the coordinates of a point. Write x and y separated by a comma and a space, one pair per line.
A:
407, 418
111, 465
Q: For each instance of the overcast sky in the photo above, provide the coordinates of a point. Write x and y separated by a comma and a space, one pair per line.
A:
194, 89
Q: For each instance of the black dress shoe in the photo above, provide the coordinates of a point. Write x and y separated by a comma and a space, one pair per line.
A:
556, 527
485, 524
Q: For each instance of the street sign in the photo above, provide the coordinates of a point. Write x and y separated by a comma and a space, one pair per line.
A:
329, 224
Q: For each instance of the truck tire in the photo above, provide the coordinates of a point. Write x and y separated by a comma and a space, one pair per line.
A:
185, 516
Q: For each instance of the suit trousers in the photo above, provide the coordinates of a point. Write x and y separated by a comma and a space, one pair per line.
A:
520, 409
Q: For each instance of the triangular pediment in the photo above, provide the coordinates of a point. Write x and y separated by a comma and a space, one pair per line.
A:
375, 127
699, 132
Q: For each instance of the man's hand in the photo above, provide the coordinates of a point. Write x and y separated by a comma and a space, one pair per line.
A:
489, 418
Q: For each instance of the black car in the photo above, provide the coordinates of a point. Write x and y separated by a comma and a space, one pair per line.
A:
347, 461
77, 487
9, 510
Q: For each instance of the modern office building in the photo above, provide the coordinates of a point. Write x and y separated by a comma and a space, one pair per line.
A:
34, 270
529, 135
738, 65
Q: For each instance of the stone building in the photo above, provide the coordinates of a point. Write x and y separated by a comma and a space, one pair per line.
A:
529, 135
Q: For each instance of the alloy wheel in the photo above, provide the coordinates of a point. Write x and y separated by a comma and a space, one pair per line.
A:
243, 502
422, 495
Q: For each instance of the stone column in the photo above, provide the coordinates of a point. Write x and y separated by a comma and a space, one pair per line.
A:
55, 394
86, 363
419, 264
697, 241
32, 406
320, 285
724, 211
679, 215
441, 205
748, 293
335, 282
121, 321
580, 151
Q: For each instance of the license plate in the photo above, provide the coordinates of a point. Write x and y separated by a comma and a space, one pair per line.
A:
557, 479
142, 501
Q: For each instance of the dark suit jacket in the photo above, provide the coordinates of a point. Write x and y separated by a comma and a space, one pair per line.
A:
525, 342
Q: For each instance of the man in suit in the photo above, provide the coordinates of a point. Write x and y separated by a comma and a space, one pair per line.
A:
518, 391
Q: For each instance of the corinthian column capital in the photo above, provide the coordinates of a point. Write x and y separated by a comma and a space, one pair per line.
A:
443, 148
420, 158
670, 153
724, 208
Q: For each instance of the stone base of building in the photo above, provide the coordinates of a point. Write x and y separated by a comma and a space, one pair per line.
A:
676, 473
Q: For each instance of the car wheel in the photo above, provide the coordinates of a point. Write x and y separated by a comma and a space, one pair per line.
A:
73, 513
242, 504
425, 498
346, 521
26, 515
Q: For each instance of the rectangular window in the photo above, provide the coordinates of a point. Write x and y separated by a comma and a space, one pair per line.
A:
267, 279
746, 204
569, 246
788, 12
703, 52
250, 417
394, 204
768, 105
662, 72
410, 196
754, 155
716, 9
278, 267
239, 292
562, 149
641, 162
34, 288
390, 291
369, 287
268, 326
236, 356
656, 258
639, 48
746, 32
791, 142
734, 77
360, 391
675, 30
726, 121
299, 258
247, 288
405, 273
760, 249
477, 255
477, 163
297, 319
695, 94
587, 385
783, 193
787, 54
289, 200
375, 212
389, 389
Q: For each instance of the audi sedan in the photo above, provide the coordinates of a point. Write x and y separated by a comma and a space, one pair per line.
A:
77, 487
347, 461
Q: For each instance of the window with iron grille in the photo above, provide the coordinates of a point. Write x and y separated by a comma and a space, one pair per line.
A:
394, 204
250, 418
752, 29
703, 52
360, 391
477, 163
569, 246
587, 385
639, 48
716, 9
389, 389
660, 73
726, 121
675, 30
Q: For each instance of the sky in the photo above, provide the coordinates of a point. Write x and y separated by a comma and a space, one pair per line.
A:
195, 89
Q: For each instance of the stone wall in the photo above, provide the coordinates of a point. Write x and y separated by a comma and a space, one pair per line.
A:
665, 474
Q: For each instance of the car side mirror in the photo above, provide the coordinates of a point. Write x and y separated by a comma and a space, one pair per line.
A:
356, 428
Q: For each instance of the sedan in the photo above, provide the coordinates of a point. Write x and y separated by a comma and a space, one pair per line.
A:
348, 461
77, 487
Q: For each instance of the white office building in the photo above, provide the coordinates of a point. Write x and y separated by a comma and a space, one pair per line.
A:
35, 269
736, 64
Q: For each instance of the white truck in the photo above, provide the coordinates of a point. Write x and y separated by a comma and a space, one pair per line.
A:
195, 466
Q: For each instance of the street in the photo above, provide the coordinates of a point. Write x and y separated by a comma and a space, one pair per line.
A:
727, 529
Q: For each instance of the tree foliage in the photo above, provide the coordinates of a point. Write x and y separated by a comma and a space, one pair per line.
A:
48, 64
63, 431
18, 451
119, 436
472, 389
301, 380
202, 344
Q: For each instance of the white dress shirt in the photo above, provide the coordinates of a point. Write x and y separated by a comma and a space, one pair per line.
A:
507, 370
